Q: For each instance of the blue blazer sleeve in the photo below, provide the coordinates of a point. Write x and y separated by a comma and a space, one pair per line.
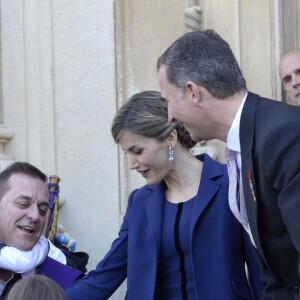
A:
110, 272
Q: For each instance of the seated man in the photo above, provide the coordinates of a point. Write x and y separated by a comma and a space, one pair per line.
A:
24, 201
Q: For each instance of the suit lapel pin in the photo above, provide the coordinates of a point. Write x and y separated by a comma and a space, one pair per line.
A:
250, 178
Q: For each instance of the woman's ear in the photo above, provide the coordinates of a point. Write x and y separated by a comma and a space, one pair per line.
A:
172, 138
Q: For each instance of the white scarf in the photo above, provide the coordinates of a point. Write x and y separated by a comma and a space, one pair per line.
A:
25, 262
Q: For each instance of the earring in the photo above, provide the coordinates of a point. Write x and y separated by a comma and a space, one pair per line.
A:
171, 153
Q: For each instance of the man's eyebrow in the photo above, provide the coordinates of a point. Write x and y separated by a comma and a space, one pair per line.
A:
28, 199
285, 78
164, 98
22, 197
45, 202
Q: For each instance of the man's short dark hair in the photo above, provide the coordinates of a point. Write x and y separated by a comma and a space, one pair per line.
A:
206, 59
23, 168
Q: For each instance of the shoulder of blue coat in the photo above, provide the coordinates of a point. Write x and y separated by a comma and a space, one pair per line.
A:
213, 169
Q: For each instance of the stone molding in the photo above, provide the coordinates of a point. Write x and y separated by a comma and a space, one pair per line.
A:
5, 135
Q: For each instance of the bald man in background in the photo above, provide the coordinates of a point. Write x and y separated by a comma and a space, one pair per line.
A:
289, 73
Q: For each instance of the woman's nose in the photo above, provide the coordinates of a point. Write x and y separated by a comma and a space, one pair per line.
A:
132, 162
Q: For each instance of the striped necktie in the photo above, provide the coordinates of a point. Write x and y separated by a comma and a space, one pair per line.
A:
234, 179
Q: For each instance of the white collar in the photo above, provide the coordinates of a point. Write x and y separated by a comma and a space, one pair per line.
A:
233, 137
23, 262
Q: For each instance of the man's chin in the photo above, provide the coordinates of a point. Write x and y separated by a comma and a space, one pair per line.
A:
25, 246
297, 100
195, 138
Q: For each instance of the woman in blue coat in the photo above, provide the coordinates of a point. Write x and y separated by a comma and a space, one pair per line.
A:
179, 239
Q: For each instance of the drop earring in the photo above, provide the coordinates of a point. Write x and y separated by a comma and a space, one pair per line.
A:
171, 153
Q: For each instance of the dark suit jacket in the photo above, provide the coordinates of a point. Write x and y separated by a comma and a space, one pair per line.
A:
219, 248
270, 150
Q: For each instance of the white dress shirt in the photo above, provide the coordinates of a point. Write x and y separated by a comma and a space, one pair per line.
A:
233, 143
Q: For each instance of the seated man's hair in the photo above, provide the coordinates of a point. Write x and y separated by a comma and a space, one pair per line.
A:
19, 168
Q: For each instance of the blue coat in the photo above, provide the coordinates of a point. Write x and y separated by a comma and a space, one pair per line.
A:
219, 246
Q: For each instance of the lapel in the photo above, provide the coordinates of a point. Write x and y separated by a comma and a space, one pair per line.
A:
208, 187
154, 205
247, 128
154, 198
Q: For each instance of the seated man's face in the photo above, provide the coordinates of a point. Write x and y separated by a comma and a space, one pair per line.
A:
23, 211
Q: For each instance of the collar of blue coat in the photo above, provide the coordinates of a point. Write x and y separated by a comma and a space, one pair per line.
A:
214, 175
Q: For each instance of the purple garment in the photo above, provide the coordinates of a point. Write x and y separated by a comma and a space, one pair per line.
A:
62, 274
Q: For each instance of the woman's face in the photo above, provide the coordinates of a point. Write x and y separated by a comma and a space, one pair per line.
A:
147, 156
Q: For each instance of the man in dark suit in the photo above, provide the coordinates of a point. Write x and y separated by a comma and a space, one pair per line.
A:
201, 79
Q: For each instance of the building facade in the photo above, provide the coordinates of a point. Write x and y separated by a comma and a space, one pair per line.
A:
67, 65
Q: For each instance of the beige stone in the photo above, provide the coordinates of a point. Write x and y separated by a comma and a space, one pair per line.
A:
66, 67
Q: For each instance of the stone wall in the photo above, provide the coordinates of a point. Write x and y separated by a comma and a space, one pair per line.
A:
67, 65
